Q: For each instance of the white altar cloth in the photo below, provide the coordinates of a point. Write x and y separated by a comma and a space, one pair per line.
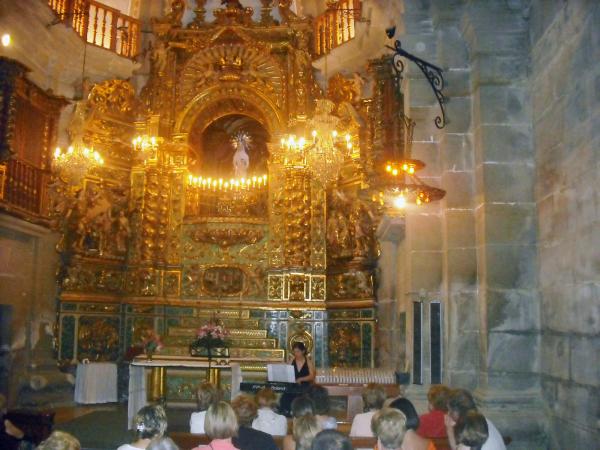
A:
138, 394
96, 383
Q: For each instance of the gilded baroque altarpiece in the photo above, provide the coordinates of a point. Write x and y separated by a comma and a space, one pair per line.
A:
142, 247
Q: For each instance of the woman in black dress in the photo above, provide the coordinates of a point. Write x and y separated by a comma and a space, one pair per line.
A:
304, 369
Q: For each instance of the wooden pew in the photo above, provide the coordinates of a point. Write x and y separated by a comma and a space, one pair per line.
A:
187, 441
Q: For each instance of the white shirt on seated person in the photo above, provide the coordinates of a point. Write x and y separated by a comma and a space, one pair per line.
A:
361, 425
494, 440
268, 421
197, 422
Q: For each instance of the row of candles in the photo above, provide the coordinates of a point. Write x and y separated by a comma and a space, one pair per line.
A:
233, 184
293, 142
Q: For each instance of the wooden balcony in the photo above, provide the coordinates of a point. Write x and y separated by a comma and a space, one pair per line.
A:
23, 190
100, 25
336, 25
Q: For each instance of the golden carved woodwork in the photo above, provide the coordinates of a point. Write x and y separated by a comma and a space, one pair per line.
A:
226, 237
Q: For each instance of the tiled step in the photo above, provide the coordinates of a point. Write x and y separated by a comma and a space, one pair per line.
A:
241, 342
189, 322
233, 332
235, 354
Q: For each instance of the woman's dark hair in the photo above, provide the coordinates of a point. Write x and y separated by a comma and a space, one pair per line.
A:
303, 406
472, 431
320, 397
331, 440
460, 402
408, 409
300, 346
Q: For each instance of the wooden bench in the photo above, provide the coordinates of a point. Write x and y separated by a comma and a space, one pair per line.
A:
187, 441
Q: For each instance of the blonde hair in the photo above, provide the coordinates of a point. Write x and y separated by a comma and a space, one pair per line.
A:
389, 425
59, 440
220, 421
304, 431
266, 397
245, 409
206, 395
373, 396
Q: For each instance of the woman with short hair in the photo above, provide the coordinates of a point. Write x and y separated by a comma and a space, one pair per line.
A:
267, 419
221, 426
248, 438
431, 424
59, 440
305, 428
331, 440
373, 396
150, 423
320, 397
389, 426
206, 395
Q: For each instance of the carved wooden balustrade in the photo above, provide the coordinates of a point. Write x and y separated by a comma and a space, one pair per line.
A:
100, 25
336, 25
24, 186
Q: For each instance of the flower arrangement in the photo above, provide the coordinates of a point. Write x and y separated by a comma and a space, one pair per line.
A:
151, 343
211, 340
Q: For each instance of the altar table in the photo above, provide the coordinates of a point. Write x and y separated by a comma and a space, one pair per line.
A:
96, 383
138, 389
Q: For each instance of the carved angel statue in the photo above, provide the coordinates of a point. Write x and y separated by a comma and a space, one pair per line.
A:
241, 159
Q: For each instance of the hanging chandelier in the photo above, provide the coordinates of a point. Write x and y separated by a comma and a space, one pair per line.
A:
74, 163
398, 183
325, 153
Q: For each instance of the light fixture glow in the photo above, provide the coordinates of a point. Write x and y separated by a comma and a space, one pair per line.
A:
6, 40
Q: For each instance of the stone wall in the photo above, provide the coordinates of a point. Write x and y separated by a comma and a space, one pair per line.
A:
565, 86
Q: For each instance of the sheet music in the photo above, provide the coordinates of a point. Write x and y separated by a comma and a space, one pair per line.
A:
282, 373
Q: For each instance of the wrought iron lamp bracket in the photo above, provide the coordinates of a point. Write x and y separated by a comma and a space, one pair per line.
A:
433, 73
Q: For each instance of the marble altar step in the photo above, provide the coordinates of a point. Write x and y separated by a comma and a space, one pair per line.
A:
229, 322
233, 332
236, 342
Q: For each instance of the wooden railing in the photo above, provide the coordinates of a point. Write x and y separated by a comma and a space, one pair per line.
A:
100, 25
24, 186
336, 25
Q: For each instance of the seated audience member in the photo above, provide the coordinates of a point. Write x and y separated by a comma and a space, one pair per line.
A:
303, 406
331, 440
460, 402
472, 432
59, 440
163, 443
11, 436
248, 438
431, 424
221, 426
150, 423
389, 426
373, 396
268, 420
305, 428
206, 396
411, 441
320, 397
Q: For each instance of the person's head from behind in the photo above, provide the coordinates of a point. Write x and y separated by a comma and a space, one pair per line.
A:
220, 421
389, 426
163, 443
245, 409
437, 397
460, 402
320, 396
206, 395
266, 398
331, 440
373, 396
299, 349
408, 409
304, 431
150, 422
59, 440
302, 406
472, 431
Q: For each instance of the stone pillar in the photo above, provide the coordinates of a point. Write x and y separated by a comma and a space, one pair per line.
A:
505, 216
